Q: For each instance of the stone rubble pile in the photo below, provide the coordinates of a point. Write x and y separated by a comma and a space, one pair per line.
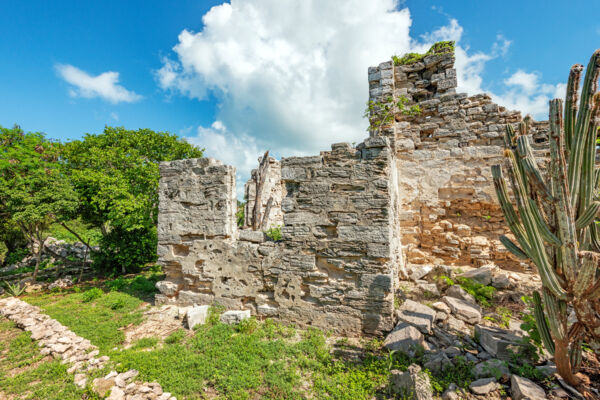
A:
59, 342
445, 331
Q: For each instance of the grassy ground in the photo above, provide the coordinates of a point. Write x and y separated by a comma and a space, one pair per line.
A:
254, 360
27, 374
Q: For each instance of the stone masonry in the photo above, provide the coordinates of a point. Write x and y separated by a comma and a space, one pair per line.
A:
418, 192
337, 265
449, 212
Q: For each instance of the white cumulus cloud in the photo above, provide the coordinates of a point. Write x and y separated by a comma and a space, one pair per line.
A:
291, 76
105, 86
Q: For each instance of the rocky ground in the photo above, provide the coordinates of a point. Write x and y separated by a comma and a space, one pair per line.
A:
463, 326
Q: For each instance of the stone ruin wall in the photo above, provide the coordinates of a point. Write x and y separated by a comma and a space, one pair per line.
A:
336, 267
449, 212
426, 178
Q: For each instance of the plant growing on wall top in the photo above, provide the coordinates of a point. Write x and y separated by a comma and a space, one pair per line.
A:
554, 221
444, 47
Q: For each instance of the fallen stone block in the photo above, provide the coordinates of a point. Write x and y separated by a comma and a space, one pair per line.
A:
458, 292
481, 275
412, 384
167, 288
483, 386
234, 317
500, 343
492, 368
463, 310
522, 388
404, 338
196, 315
417, 314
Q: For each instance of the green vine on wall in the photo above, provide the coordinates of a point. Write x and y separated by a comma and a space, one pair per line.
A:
382, 113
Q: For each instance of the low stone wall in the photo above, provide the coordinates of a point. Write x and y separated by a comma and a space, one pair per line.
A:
337, 265
58, 341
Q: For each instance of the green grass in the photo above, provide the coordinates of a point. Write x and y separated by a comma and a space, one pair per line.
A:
98, 319
252, 360
25, 373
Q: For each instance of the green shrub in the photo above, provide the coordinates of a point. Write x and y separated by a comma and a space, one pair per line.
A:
125, 250
92, 294
482, 293
274, 234
145, 343
17, 255
176, 337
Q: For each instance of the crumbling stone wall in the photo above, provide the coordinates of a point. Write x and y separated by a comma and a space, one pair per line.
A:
337, 264
449, 213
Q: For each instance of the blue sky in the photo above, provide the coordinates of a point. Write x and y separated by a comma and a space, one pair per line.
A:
256, 74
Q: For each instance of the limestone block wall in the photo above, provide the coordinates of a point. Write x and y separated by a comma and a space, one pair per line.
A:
337, 265
449, 213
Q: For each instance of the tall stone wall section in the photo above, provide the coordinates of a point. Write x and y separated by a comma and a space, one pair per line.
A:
336, 267
449, 213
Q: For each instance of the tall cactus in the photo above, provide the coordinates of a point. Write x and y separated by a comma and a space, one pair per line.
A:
556, 220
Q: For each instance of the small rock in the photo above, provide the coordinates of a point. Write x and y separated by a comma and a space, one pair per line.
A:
441, 306
417, 271
80, 380
483, 386
103, 385
492, 368
197, 315
405, 338
500, 343
116, 394
428, 289
547, 370
234, 317
481, 275
412, 384
416, 314
437, 362
522, 388
451, 393
463, 310
167, 288
458, 292
501, 281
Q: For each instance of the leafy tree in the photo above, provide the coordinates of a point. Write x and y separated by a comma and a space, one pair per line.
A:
116, 175
34, 192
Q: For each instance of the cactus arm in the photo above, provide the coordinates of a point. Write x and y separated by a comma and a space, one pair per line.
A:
571, 103
563, 209
542, 226
510, 215
513, 248
575, 355
542, 324
556, 310
581, 130
588, 216
586, 275
531, 169
549, 277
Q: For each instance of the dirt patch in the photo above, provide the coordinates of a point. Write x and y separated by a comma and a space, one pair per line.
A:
159, 322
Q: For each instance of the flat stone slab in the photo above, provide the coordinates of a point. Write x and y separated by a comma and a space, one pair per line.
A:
522, 388
417, 314
463, 309
483, 386
404, 338
500, 343
197, 315
481, 275
492, 368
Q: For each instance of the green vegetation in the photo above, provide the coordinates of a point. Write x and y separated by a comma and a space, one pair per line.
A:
34, 191
101, 190
443, 47
381, 114
14, 289
240, 216
553, 223
274, 233
26, 373
482, 293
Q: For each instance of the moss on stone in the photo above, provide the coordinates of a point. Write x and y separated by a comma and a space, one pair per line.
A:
443, 47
